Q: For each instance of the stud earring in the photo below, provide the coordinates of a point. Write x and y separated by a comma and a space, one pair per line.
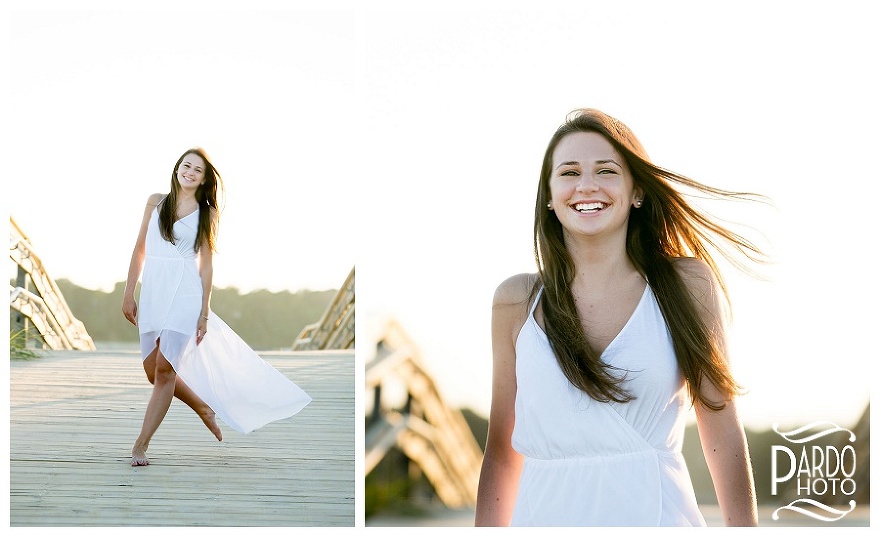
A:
638, 203
549, 206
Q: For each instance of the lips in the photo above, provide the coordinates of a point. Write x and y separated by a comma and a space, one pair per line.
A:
589, 207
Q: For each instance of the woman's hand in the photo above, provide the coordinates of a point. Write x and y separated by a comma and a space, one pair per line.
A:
202, 329
130, 309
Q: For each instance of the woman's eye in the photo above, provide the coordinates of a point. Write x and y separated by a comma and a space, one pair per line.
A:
571, 173
606, 170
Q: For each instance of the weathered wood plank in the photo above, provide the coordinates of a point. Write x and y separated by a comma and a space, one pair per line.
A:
74, 416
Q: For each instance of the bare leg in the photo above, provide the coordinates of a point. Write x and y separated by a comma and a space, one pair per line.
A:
186, 395
160, 400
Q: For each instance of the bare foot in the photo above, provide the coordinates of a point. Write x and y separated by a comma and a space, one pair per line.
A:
139, 456
209, 418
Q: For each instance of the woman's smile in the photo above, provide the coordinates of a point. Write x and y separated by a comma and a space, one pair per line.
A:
592, 181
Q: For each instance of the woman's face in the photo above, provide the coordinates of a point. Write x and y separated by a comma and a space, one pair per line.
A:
591, 188
191, 172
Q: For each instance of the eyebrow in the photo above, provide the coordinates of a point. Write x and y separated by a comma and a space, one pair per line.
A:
576, 163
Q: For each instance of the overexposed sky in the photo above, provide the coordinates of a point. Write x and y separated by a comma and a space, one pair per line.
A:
102, 103
775, 98
408, 141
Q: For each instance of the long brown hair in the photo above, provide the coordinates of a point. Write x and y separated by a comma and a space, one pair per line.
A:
664, 228
207, 197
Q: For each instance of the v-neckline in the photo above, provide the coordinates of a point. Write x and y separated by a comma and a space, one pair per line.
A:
187, 216
614, 340
628, 322
178, 219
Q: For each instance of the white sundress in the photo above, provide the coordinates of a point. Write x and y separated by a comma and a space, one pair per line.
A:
240, 387
588, 463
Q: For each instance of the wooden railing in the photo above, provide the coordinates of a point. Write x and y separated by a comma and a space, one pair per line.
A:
335, 329
45, 307
430, 433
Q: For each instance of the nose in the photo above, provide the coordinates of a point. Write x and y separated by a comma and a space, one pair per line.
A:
587, 183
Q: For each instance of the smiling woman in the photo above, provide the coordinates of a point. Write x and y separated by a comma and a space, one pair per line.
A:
188, 351
591, 189
598, 355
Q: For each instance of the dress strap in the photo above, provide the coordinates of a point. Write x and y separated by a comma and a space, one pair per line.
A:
160, 203
535, 303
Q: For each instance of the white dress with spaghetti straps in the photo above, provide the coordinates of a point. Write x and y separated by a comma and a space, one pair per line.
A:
588, 463
242, 389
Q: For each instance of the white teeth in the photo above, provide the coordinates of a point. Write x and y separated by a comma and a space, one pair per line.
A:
589, 207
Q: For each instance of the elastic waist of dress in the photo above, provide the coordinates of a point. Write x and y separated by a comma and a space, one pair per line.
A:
606, 457
163, 258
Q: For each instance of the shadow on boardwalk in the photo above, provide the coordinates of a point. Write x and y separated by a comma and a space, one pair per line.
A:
74, 416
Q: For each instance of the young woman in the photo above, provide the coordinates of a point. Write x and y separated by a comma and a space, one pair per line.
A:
188, 351
599, 356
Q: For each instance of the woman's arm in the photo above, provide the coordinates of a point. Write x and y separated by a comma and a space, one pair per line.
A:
502, 466
721, 432
727, 455
129, 305
206, 273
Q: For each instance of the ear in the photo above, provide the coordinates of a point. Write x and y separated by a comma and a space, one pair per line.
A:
638, 196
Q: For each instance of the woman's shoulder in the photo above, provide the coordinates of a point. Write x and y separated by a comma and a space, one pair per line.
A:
155, 199
699, 278
694, 271
515, 290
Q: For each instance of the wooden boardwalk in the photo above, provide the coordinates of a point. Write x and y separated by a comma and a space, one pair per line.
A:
74, 415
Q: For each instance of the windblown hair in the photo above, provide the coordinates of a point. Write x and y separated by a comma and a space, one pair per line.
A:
206, 195
664, 228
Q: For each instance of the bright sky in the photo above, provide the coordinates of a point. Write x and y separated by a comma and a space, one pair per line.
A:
102, 103
409, 142
754, 97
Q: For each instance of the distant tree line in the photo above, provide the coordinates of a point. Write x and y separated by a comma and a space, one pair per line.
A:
266, 320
